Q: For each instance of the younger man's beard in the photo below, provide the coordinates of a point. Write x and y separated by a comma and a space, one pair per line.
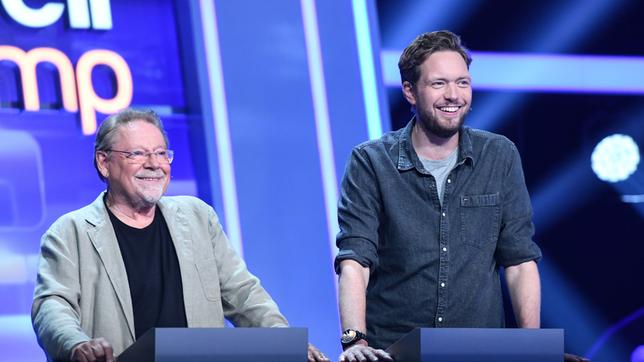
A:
429, 123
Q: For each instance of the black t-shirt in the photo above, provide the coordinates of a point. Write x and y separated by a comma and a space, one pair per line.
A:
153, 274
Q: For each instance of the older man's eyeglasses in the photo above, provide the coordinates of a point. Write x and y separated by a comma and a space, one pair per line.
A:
139, 156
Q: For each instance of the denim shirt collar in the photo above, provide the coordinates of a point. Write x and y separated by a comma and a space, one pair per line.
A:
408, 158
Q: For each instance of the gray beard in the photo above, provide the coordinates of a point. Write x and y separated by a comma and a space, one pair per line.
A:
151, 200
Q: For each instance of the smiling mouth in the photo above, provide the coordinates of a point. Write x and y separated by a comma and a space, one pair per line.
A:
449, 109
149, 178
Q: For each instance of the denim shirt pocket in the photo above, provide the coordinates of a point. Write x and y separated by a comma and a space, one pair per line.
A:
480, 219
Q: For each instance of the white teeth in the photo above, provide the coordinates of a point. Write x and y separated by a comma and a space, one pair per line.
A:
449, 109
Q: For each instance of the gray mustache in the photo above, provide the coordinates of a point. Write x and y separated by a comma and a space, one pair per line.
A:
155, 175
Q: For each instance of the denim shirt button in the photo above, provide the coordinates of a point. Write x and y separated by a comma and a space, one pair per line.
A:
440, 319
443, 214
442, 285
449, 180
444, 248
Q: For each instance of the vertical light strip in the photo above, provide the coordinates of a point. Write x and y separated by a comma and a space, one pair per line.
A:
322, 125
367, 68
219, 110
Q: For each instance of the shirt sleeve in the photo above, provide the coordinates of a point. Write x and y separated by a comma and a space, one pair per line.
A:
359, 213
515, 244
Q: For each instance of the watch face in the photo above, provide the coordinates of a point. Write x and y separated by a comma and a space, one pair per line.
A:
348, 336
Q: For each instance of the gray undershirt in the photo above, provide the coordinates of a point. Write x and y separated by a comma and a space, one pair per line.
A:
440, 169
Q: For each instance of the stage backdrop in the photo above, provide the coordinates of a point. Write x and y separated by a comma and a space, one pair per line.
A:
263, 101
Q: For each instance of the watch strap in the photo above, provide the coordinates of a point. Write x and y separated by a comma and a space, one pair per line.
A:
351, 336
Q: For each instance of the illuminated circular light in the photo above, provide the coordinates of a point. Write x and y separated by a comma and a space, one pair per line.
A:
615, 158
638, 354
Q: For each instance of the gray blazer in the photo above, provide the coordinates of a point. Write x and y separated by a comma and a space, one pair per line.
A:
82, 291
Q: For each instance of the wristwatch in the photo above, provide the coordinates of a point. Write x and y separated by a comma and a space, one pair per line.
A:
350, 337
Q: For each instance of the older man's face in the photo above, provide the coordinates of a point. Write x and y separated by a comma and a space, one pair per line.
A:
142, 183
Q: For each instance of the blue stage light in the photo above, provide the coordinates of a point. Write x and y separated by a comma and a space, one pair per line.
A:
638, 354
543, 72
322, 121
219, 110
602, 341
367, 71
615, 158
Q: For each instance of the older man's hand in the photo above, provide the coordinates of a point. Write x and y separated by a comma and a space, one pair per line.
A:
360, 353
94, 350
315, 355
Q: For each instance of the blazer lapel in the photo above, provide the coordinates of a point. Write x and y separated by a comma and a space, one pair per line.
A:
104, 240
179, 228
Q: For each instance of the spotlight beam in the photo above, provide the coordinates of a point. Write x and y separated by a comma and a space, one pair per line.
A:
544, 72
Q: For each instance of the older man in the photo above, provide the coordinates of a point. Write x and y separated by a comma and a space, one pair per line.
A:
134, 260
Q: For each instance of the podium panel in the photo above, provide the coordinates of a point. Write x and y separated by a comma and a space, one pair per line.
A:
219, 344
479, 345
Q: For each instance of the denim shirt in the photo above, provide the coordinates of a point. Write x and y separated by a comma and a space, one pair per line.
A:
433, 265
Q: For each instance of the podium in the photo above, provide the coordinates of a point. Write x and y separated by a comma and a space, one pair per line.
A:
219, 345
479, 345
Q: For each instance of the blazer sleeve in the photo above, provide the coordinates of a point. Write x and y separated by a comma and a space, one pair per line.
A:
245, 302
55, 312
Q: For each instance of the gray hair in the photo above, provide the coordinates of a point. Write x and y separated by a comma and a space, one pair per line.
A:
107, 130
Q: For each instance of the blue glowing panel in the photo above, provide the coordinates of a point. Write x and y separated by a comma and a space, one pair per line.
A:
638, 354
218, 130
370, 78
295, 108
46, 159
293, 98
321, 113
21, 193
18, 339
143, 33
276, 157
548, 73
